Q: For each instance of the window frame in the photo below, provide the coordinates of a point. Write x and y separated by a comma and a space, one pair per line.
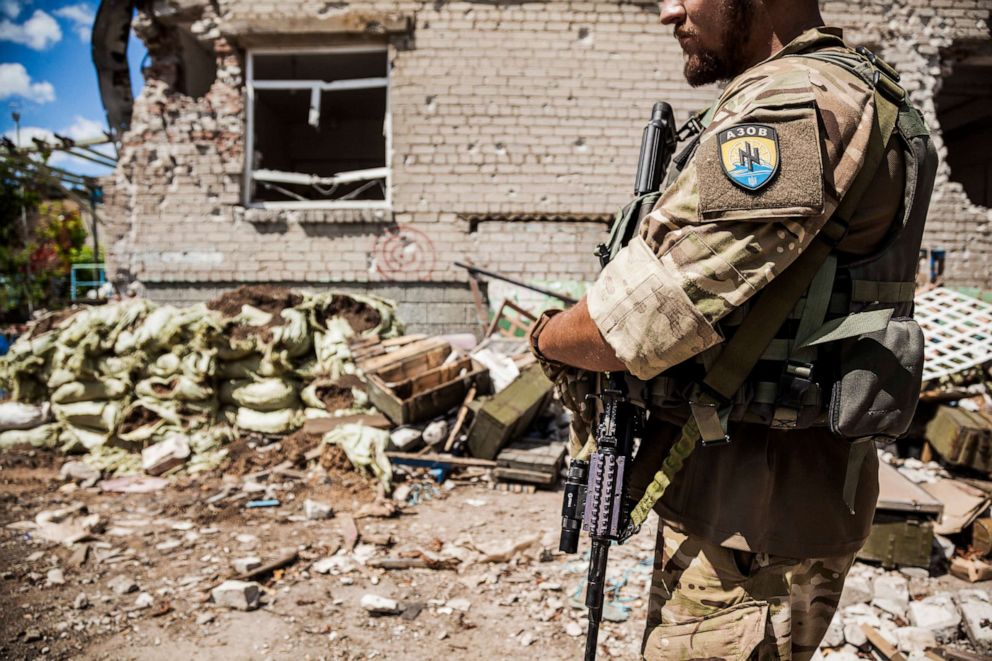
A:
250, 87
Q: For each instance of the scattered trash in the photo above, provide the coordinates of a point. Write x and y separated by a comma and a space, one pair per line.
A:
256, 504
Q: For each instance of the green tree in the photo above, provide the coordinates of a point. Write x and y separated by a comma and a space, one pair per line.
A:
35, 260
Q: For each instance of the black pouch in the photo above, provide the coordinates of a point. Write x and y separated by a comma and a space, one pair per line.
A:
879, 382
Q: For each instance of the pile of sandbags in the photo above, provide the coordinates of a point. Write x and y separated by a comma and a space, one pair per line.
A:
130, 375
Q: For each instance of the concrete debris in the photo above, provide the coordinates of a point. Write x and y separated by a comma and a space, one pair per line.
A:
377, 605
163, 457
891, 594
573, 629
938, 614
245, 565
315, 510
405, 439
205, 618
80, 473
122, 585
55, 577
81, 602
914, 640
144, 600
976, 610
239, 595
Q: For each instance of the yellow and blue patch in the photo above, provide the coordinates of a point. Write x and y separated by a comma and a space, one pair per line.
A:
749, 154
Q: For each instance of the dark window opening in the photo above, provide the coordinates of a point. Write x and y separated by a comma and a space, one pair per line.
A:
964, 111
318, 125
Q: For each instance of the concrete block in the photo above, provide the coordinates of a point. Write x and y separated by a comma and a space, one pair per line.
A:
377, 605
975, 607
245, 565
161, 457
891, 594
938, 614
239, 595
315, 510
915, 640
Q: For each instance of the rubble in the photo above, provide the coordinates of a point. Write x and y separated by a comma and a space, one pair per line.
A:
317, 511
79, 472
377, 605
239, 595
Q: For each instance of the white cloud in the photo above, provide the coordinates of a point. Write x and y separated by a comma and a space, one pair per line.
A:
15, 81
83, 129
81, 16
10, 8
38, 32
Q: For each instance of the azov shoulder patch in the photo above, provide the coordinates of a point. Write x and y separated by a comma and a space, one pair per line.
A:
749, 154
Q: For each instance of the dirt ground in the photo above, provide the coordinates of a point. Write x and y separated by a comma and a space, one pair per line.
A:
176, 547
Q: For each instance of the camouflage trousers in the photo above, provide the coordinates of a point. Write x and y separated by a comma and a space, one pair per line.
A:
711, 602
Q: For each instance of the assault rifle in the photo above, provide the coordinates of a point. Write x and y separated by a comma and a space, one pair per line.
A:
596, 498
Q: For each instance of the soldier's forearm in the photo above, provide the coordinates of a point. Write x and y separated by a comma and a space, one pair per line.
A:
572, 338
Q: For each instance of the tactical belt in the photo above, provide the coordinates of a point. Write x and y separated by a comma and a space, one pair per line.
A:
812, 272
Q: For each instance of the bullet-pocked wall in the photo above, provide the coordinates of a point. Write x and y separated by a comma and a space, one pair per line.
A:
512, 134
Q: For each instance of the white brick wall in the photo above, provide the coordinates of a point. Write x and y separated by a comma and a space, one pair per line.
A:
531, 108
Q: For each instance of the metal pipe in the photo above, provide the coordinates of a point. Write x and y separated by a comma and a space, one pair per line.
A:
497, 276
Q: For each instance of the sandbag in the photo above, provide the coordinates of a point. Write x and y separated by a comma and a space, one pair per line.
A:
269, 422
16, 415
78, 439
144, 419
85, 391
43, 436
272, 394
294, 335
366, 449
178, 388
101, 416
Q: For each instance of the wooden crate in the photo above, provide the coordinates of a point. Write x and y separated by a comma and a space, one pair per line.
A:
535, 461
962, 438
902, 531
507, 414
421, 387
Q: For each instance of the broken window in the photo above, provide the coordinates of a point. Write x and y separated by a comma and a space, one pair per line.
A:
964, 111
318, 128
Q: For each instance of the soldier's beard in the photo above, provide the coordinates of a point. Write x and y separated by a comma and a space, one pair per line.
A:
704, 66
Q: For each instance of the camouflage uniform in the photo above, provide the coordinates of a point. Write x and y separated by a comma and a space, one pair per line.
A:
745, 571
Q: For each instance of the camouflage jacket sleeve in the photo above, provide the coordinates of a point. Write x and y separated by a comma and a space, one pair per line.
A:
710, 243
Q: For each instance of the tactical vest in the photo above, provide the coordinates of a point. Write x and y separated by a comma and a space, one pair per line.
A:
831, 341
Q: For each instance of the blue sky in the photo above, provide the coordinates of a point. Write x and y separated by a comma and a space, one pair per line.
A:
47, 73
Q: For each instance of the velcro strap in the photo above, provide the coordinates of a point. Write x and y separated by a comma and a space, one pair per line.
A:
850, 326
777, 350
872, 291
839, 304
766, 392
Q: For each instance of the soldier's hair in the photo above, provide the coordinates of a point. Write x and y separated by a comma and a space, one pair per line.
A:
710, 66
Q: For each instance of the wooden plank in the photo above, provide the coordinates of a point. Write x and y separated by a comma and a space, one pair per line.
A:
528, 476
884, 647
403, 340
437, 460
460, 419
409, 350
320, 426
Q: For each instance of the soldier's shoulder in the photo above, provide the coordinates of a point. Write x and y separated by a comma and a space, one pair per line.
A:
799, 79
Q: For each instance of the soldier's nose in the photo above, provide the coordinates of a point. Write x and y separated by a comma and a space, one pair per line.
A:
672, 12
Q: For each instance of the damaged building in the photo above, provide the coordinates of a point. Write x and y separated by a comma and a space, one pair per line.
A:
367, 146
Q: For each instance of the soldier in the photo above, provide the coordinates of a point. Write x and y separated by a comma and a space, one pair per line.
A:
757, 535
